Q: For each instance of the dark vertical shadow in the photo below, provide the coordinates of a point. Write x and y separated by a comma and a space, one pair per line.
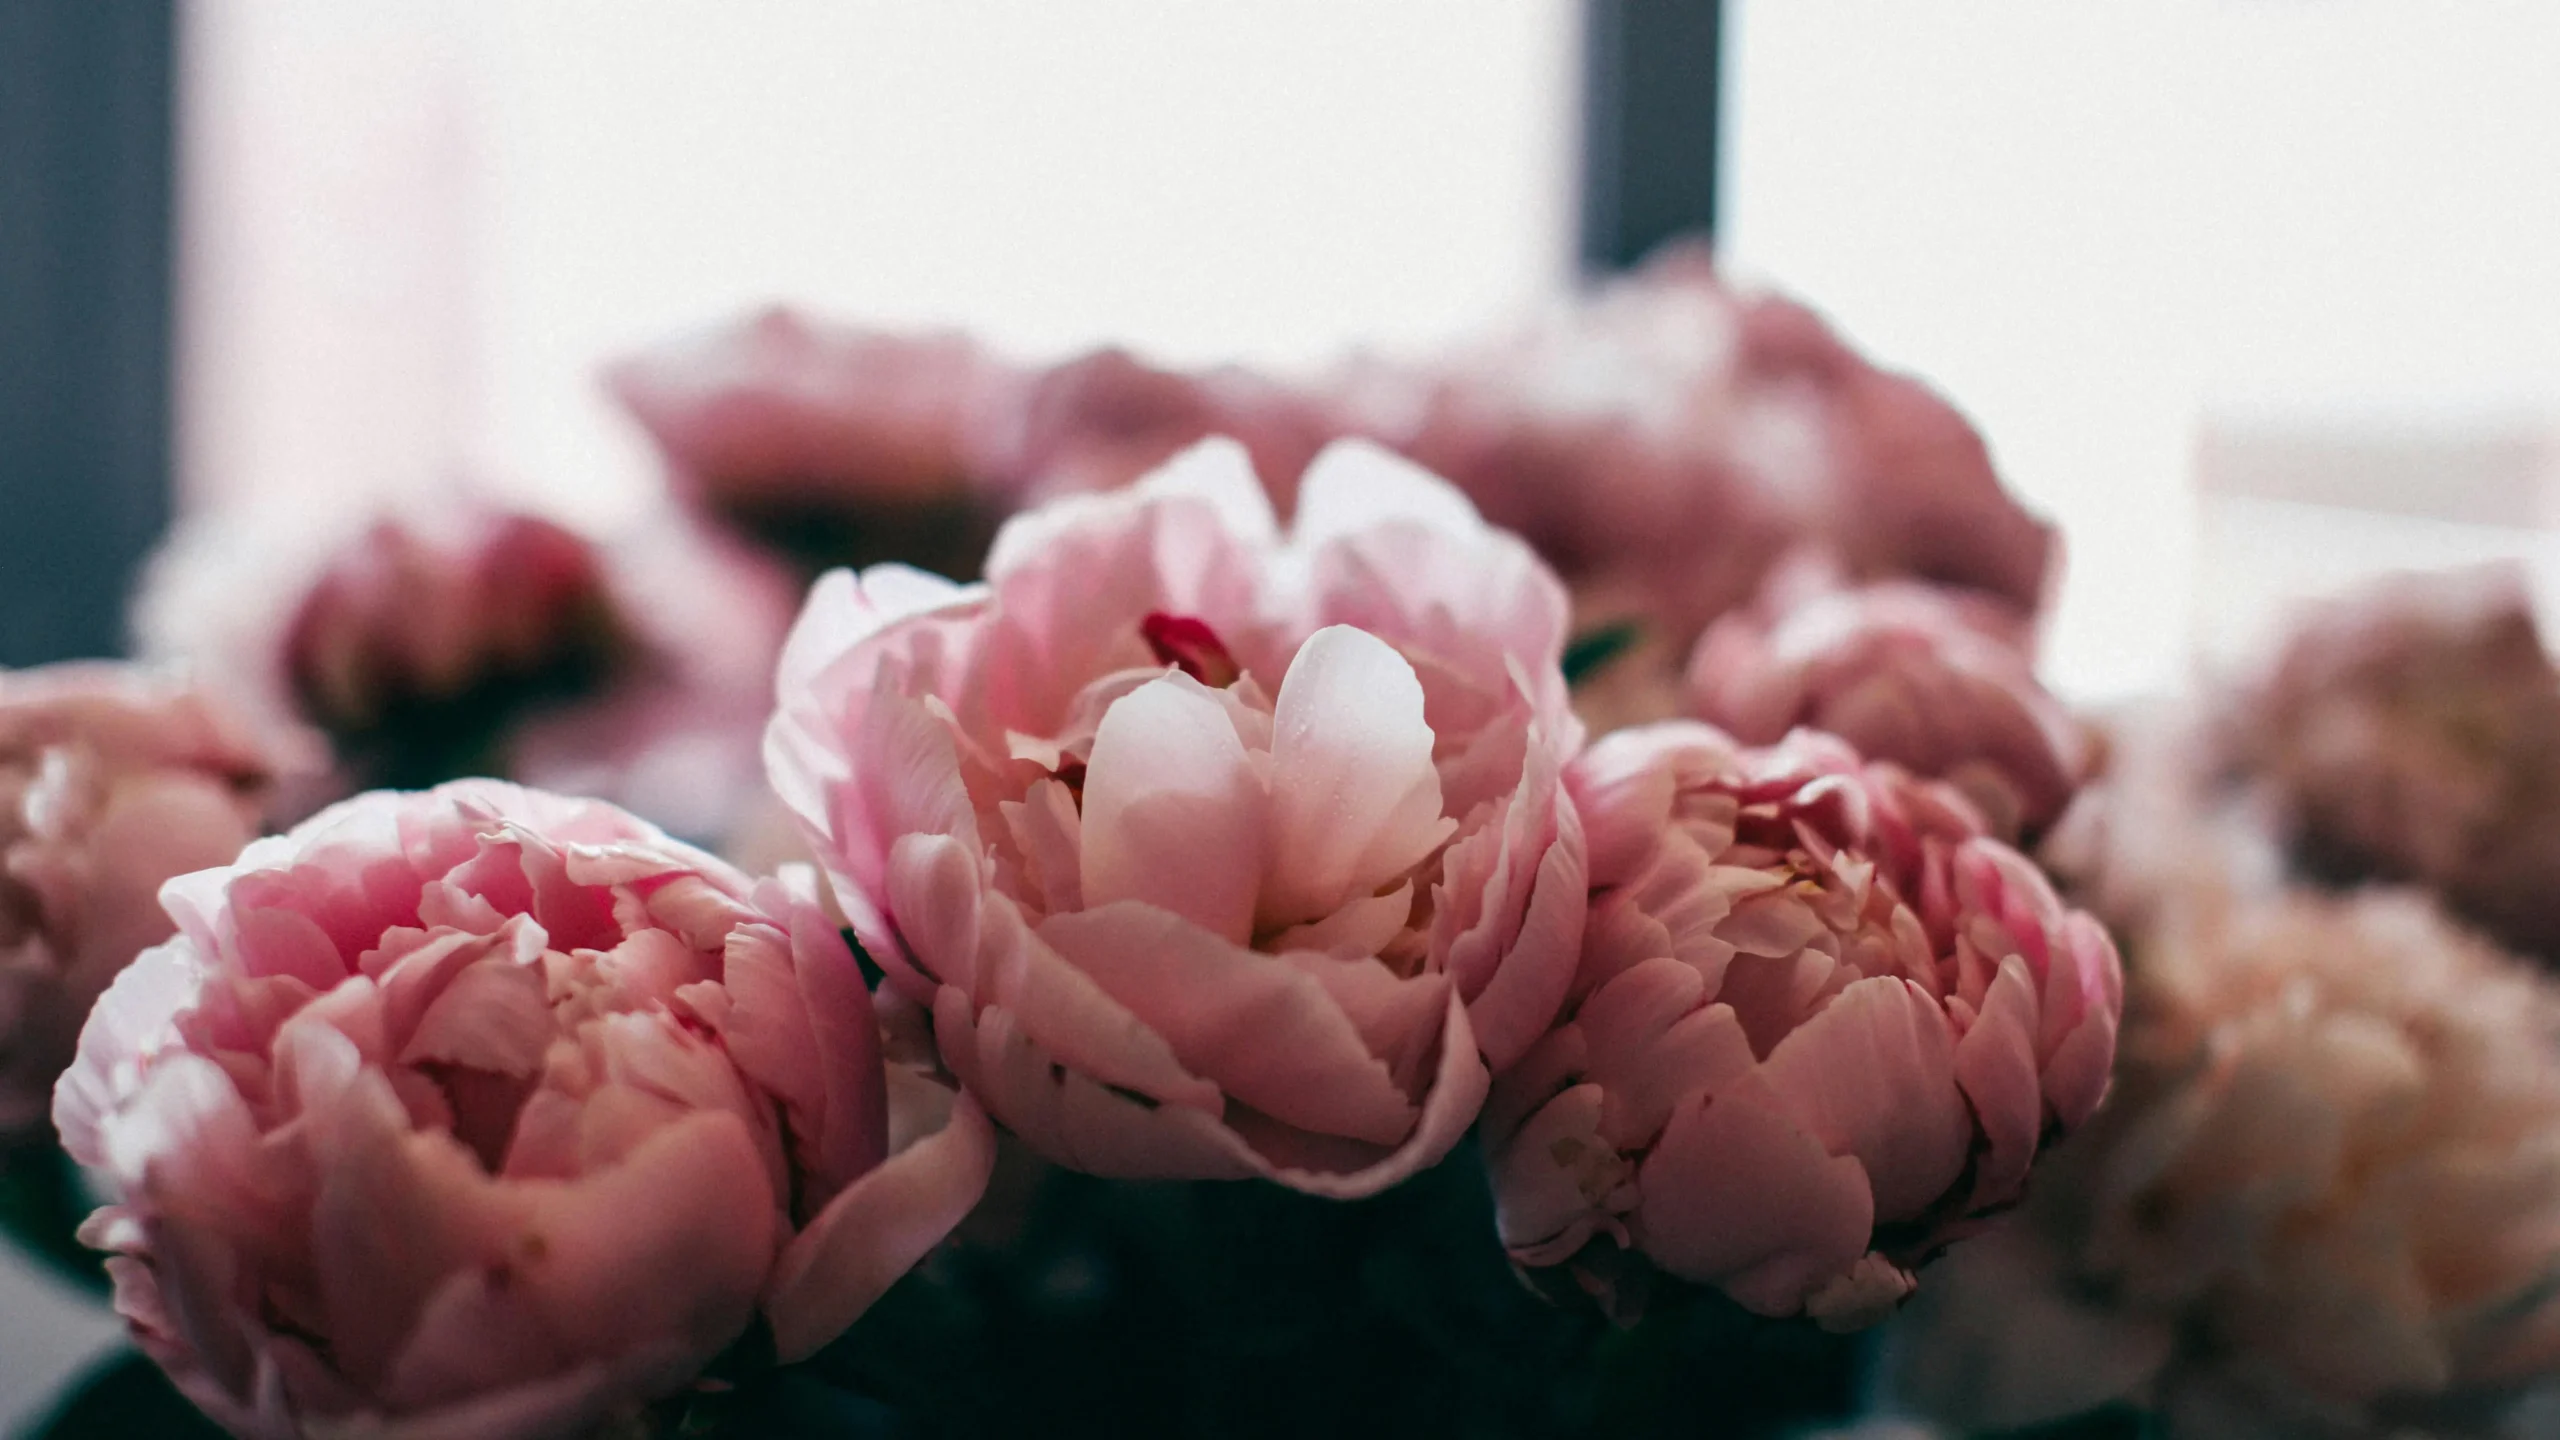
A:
85, 206
1651, 90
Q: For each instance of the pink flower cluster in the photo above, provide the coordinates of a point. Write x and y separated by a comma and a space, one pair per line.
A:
1660, 443
1239, 823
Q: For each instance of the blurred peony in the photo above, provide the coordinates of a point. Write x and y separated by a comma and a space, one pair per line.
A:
412, 617
1216, 853
1618, 436
114, 780
831, 443
1908, 486
2149, 832
465, 637
485, 1112
2412, 732
1668, 438
2325, 1201
1822, 1024
1939, 681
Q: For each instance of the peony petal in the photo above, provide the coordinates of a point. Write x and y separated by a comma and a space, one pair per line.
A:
1450, 1104
474, 1335
876, 1230
1355, 802
395, 1215
1267, 1033
1220, 471
492, 1016
1873, 1075
1354, 485
1654, 1043
1737, 1196
670, 1245
1535, 955
1173, 812
1398, 1016
1072, 1118
1557, 1183
132, 1020
1083, 1026
1996, 1065
934, 892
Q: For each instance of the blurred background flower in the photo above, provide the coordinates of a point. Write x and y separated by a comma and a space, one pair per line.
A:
2325, 1199
114, 779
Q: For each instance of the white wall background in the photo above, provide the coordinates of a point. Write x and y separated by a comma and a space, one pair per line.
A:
2099, 225
553, 183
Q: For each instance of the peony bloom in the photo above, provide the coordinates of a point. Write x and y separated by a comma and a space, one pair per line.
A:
114, 779
484, 1112
828, 442
2325, 1200
466, 637
2412, 732
414, 617
1619, 437
1822, 1024
1941, 682
1216, 853
1667, 438
1907, 486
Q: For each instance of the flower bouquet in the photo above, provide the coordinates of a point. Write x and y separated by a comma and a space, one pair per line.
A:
1531, 892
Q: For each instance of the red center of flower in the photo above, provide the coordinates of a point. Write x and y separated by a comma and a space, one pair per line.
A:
1188, 642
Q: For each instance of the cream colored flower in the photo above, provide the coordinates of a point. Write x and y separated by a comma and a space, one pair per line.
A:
2325, 1200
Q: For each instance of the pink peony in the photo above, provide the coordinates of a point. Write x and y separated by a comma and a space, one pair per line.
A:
1939, 681
1666, 438
816, 436
2411, 731
412, 616
1215, 852
465, 636
1619, 436
1908, 487
484, 1112
114, 779
1822, 1023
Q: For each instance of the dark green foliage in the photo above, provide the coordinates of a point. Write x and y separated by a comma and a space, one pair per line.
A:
1587, 652
123, 1397
1243, 1309
42, 1203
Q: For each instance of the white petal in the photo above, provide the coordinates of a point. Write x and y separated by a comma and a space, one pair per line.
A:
1355, 802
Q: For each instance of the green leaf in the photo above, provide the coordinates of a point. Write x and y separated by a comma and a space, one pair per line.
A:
1588, 652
